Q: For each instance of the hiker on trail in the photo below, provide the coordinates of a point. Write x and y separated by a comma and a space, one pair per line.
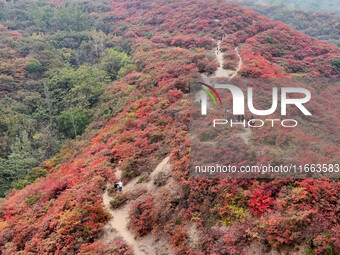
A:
120, 186
115, 186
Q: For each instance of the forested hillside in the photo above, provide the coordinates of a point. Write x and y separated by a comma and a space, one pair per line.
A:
322, 25
55, 63
314, 5
116, 75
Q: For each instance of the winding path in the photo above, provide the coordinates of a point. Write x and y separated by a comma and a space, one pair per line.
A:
221, 72
118, 224
228, 73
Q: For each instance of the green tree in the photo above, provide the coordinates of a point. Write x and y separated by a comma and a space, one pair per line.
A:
16, 167
70, 18
73, 122
112, 61
88, 84
72, 88
40, 16
336, 64
34, 66
18, 164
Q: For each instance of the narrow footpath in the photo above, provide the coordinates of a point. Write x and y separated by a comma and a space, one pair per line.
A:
118, 225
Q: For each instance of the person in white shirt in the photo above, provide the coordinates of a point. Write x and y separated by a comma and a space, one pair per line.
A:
120, 186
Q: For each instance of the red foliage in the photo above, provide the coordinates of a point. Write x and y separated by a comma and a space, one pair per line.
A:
178, 237
260, 200
62, 213
118, 247
141, 216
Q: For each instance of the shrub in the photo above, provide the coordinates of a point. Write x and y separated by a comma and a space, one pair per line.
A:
160, 179
141, 219
322, 244
129, 167
20, 184
260, 201
117, 247
34, 66
118, 200
336, 63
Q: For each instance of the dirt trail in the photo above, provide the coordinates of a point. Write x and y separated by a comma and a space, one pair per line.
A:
245, 135
118, 225
228, 73
221, 72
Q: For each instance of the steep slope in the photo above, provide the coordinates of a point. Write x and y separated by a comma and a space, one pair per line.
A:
172, 42
55, 63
